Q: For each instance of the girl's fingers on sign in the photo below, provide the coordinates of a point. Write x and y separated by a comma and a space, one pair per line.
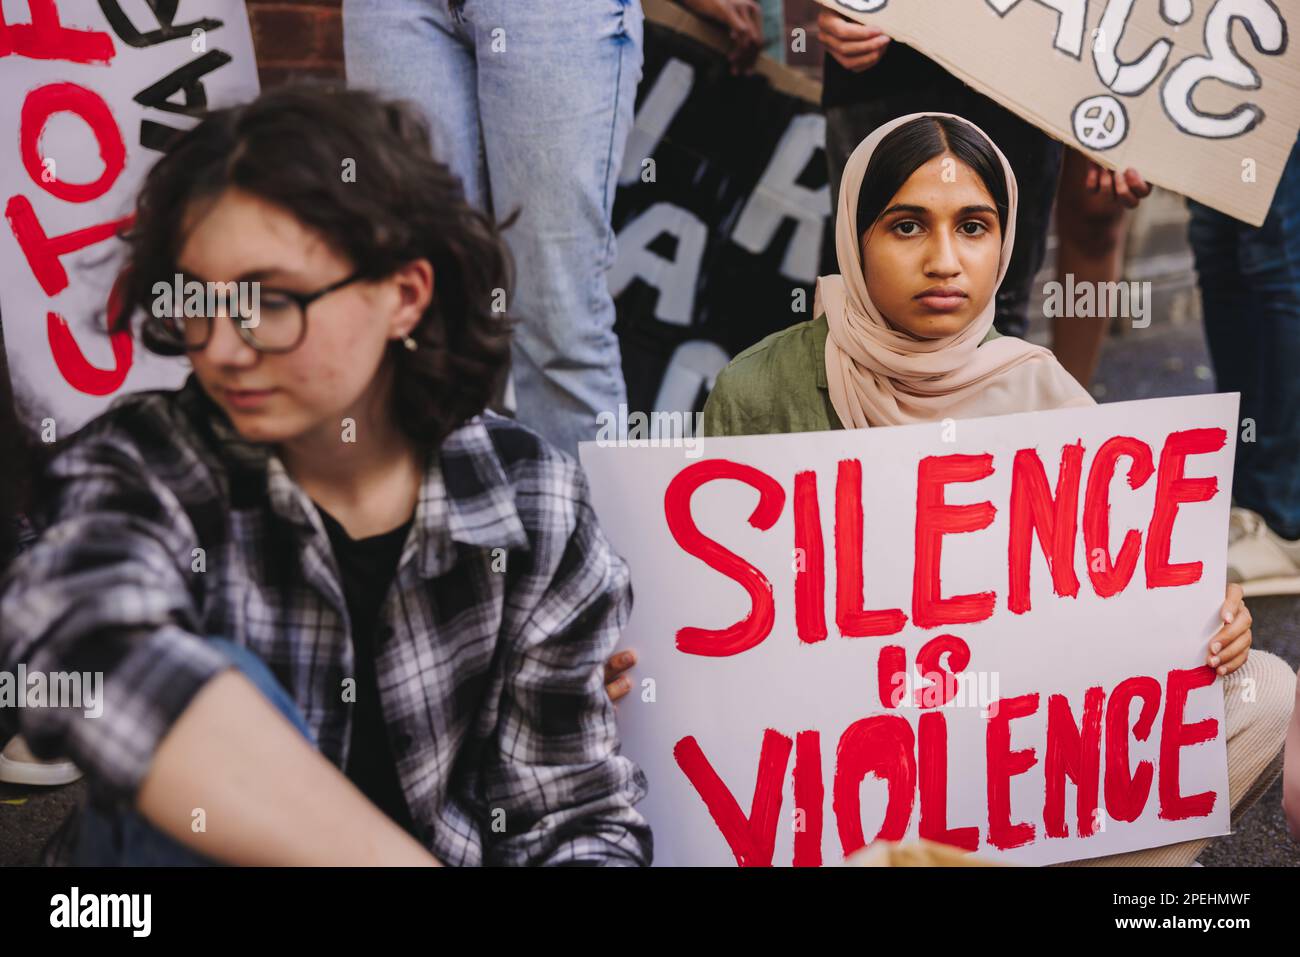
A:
1231, 644
617, 690
617, 684
1234, 656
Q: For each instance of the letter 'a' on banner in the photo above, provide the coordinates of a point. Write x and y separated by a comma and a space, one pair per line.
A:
720, 211
1200, 97
93, 93
990, 634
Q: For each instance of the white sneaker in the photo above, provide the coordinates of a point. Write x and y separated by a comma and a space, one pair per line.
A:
19, 766
1259, 559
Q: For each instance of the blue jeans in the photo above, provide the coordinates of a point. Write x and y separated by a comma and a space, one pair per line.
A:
126, 839
1250, 292
531, 104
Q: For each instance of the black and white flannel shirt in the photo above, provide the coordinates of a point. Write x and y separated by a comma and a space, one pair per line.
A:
162, 526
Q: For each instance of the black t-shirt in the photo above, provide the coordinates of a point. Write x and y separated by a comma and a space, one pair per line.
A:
900, 68
368, 566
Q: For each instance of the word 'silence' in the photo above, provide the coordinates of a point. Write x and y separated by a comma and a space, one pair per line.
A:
1034, 509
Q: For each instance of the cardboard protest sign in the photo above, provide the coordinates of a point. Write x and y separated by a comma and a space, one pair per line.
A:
720, 211
988, 633
1202, 98
95, 92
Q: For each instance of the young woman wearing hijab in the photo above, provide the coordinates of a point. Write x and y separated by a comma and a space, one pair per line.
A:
924, 229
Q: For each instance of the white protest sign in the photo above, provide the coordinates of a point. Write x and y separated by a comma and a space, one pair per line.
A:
94, 89
798, 600
1202, 98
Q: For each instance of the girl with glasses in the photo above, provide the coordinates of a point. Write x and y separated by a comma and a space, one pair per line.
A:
344, 613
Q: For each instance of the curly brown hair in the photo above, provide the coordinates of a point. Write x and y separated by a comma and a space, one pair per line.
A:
289, 147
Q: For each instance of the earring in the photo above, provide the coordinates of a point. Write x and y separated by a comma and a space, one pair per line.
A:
410, 344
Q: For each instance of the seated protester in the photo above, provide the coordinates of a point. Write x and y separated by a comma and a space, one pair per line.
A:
339, 607
23, 456
924, 229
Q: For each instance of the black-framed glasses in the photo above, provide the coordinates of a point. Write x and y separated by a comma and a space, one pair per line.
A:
268, 319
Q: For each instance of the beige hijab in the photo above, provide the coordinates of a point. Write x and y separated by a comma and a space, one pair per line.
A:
879, 375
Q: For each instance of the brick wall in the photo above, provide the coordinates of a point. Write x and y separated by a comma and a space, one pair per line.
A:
296, 38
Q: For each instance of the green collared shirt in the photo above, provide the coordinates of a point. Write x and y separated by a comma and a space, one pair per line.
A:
777, 385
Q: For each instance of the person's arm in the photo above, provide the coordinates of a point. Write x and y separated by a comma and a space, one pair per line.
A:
109, 588
554, 789
267, 796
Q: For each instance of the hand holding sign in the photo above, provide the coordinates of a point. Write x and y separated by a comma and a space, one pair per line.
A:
1231, 645
855, 46
1127, 188
617, 682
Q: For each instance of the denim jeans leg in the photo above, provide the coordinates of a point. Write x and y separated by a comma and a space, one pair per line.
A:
419, 51
556, 90
1250, 293
125, 839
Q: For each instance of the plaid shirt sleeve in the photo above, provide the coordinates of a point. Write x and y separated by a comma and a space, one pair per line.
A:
106, 588
566, 792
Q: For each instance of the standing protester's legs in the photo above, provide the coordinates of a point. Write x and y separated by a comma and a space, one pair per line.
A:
1257, 701
556, 91
422, 51
1091, 229
1034, 156
418, 50
126, 839
1250, 292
